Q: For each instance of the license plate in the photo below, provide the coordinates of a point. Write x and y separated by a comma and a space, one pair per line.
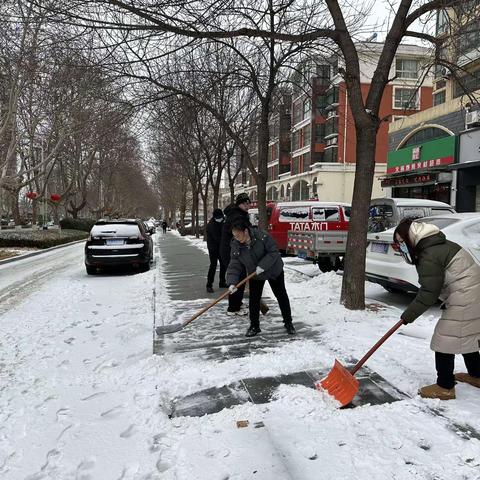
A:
115, 241
302, 254
379, 247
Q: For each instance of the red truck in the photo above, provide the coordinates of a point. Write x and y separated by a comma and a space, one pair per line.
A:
310, 229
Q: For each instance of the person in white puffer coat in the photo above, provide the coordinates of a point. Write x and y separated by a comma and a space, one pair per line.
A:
447, 272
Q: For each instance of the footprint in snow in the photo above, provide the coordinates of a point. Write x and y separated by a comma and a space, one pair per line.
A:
94, 395
83, 467
129, 431
62, 412
113, 412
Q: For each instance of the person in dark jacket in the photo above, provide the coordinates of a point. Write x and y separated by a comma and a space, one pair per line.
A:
214, 236
253, 250
164, 226
447, 272
234, 212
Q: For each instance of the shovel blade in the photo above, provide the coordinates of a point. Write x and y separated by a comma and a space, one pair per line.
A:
340, 384
165, 329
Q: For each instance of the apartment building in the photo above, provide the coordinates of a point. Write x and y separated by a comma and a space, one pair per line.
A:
434, 154
313, 138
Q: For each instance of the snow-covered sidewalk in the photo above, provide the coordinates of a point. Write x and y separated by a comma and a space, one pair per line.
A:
82, 396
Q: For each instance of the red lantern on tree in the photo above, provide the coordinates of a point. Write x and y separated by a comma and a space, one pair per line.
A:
31, 195
55, 197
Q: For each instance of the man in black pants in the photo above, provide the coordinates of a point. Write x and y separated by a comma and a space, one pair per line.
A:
253, 250
214, 236
234, 212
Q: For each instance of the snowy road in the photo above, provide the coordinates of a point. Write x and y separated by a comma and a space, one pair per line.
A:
75, 354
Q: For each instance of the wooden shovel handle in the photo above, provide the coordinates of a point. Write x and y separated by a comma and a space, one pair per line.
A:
376, 346
226, 294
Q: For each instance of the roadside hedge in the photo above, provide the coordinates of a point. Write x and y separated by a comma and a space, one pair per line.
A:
40, 238
83, 224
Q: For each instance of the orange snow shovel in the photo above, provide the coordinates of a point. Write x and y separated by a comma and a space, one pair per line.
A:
341, 383
176, 327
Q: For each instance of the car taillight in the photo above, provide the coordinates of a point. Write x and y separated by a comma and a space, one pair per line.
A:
395, 246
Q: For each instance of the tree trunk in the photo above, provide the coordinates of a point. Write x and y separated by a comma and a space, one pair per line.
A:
262, 156
15, 208
353, 285
34, 211
231, 186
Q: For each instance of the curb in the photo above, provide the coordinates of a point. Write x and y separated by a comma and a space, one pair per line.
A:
39, 252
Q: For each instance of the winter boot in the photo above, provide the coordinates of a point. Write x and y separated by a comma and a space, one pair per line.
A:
436, 391
252, 331
290, 329
209, 289
465, 377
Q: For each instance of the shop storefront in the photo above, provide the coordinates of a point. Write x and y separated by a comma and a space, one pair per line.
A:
420, 171
468, 171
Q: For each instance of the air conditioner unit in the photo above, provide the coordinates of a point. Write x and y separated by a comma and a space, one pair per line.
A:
472, 119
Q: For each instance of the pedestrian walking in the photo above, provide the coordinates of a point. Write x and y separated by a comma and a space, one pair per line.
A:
253, 250
214, 237
234, 212
447, 272
164, 226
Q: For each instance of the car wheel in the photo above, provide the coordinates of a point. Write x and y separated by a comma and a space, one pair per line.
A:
145, 267
325, 265
91, 270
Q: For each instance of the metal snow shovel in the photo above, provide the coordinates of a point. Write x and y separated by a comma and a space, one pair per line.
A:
176, 327
341, 383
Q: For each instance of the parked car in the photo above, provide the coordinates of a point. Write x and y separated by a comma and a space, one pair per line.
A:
118, 242
386, 266
386, 213
150, 226
302, 216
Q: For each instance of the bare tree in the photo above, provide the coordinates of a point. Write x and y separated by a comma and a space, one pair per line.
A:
341, 25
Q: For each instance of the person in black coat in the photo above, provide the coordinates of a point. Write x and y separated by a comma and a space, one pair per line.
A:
214, 237
234, 212
254, 250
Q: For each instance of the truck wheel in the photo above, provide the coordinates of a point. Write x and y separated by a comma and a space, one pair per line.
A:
324, 265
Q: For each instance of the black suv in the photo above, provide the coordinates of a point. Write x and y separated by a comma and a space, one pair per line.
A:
118, 242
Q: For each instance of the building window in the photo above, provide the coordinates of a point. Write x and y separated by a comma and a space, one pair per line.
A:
442, 22
295, 165
330, 155
468, 41
439, 98
405, 98
321, 103
407, 68
467, 84
295, 140
307, 136
297, 112
319, 133
307, 108
332, 95
425, 135
331, 126
398, 117
306, 162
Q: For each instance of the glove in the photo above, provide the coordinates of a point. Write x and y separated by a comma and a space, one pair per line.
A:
259, 270
232, 289
406, 322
